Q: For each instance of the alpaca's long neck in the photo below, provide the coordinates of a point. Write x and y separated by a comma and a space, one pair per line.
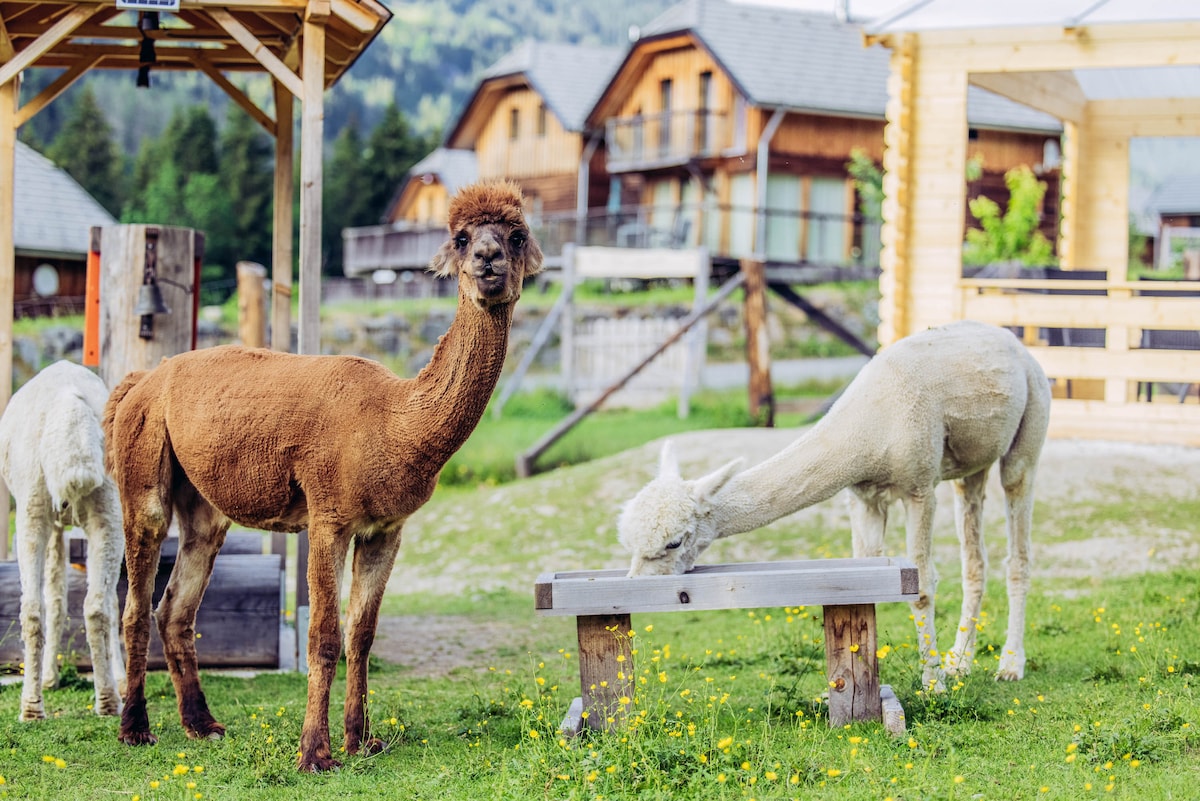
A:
813, 468
452, 391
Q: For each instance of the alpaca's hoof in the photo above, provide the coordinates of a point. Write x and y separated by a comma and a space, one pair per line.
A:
137, 738
31, 712
371, 746
1012, 665
213, 731
318, 764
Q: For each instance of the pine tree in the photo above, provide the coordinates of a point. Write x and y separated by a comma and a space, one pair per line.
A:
345, 196
86, 150
392, 150
247, 177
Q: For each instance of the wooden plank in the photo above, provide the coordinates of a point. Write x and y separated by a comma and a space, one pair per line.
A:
237, 95
605, 669
8, 256
252, 304
53, 35
312, 128
1082, 311
281, 230
271, 62
851, 666
56, 88
734, 586
1166, 423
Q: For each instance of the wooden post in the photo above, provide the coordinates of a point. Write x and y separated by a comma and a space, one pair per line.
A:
852, 667
281, 242
125, 251
604, 642
762, 399
312, 133
8, 255
252, 304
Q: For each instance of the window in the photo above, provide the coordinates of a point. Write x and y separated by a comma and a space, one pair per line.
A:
541, 120
664, 119
514, 123
704, 105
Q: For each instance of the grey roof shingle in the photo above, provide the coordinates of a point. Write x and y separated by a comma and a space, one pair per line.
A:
52, 213
454, 168
569, 77
807, 60
1178, 195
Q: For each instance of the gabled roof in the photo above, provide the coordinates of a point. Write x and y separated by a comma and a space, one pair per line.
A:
454, 169
568, 77
52, 213
810, 61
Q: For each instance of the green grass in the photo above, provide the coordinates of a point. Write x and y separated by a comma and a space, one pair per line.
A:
728, 707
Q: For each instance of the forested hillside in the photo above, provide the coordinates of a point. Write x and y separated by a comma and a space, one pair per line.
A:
179, 151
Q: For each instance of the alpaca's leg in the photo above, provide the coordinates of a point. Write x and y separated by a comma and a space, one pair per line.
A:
372, 565
201, 533
145, 522
1018, 492
105, 545
54, 587
868, 520
326, 561
33, 530
919, 530
968, 517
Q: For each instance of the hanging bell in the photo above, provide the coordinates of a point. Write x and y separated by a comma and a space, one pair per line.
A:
150, 301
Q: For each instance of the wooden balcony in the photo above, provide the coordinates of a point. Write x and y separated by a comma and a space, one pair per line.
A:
802, 247
668, 139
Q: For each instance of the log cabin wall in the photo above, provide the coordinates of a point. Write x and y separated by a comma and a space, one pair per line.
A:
522, 139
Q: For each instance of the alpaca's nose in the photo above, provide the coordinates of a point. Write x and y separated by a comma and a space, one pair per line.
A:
487, 250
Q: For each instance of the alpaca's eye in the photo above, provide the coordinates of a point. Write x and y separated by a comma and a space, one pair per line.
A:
517, 239
674, 544
460, 241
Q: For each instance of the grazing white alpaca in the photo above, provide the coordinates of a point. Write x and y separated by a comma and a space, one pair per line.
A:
942, 404
52, 459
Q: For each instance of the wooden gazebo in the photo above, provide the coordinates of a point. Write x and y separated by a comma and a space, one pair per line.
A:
305, 46
1111, 71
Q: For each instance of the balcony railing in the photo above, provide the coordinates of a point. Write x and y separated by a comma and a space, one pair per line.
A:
728, 232
665, 139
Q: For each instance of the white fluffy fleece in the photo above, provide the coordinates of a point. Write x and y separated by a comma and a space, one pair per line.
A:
944, 404
52, 459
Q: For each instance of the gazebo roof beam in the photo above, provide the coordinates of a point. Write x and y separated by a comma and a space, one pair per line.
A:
1056, 93
60, 84
259, 52
44, 43
237, 95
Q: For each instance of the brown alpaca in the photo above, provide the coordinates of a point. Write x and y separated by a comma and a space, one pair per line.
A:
281, 442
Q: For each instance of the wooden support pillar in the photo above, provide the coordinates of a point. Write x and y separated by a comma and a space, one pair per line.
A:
762, 398
252, 304
312, 135
604, 642
852, 667
8, 256
281, 243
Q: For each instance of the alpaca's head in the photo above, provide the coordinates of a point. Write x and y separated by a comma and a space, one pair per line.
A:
668, 524
490, 248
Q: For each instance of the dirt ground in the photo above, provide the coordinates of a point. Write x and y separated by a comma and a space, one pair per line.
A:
1071, 471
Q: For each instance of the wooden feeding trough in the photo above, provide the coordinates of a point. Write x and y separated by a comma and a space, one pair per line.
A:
602, 602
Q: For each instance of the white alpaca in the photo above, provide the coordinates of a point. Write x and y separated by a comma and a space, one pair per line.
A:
944, 404
52, 459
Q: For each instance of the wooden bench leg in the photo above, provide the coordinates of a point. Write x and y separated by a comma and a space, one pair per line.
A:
851, 665
605, 673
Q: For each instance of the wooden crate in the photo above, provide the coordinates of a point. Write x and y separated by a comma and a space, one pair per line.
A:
237, 625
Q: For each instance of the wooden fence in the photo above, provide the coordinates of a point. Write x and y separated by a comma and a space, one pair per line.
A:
1124, 355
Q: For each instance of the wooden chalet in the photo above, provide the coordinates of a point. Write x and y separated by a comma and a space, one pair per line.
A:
724, 124
1109, 71
52, 215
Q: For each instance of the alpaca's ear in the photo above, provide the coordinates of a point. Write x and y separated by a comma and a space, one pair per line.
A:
708, 486
668, 465
534, 261
442, 263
